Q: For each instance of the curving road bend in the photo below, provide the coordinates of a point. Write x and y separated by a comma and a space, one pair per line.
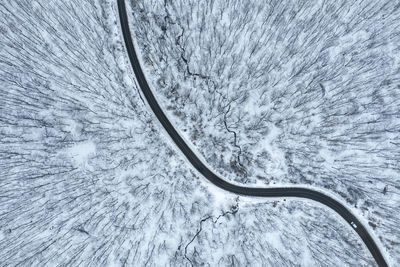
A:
221, 183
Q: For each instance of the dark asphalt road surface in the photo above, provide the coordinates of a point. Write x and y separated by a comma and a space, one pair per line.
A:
221, 183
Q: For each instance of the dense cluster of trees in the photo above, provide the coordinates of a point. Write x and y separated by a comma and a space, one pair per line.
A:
85, 175
287, 92
85, 178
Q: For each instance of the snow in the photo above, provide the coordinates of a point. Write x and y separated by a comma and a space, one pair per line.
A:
310, 89
87, 176
80, 152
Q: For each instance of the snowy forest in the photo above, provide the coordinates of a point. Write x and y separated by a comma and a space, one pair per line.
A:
277, 93
285, 92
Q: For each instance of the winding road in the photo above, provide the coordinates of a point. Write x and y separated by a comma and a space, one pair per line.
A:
297, 192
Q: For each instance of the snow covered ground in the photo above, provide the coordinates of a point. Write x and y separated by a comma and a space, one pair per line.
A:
286, 92
87, 178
